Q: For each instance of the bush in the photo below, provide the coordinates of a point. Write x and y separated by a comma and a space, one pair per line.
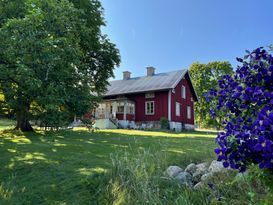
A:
164, 123
89, 124
53, 119
247, 99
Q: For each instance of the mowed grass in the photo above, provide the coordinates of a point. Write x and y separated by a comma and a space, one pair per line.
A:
67, 167
6, 124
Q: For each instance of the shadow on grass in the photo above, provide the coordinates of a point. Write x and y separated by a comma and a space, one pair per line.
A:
202, 132
60, 167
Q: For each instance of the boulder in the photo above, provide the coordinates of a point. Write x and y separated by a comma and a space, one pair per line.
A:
173, 171
202, 168
191, 168
196, 177
184, 178
216, 166
199, 185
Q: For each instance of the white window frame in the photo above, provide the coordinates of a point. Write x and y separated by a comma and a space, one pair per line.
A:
148, 112
188, 112
118, 111
130, 110
177, 111
183, 92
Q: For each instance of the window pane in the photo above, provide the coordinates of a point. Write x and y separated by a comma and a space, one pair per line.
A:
177, 109
120, 109
188, 112
183, 90
149, 106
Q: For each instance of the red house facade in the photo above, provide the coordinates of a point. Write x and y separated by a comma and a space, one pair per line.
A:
141, 102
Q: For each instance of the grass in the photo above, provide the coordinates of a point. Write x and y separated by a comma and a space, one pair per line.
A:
6, 124
104, 167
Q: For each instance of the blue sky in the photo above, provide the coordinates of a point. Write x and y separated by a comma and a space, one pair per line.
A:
172, 34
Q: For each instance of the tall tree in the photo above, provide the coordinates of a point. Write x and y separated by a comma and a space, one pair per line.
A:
54, 60
205, 77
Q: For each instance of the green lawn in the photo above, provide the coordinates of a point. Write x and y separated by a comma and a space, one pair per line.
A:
5, 124
61, 167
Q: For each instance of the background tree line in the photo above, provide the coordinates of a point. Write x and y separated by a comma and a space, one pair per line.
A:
204, 78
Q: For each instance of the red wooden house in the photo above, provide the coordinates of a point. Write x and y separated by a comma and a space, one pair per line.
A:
141, 102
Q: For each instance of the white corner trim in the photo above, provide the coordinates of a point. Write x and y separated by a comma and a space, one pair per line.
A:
169, 105
194, 88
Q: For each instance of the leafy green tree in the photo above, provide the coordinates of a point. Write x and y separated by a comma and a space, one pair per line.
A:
205, 77
54, 60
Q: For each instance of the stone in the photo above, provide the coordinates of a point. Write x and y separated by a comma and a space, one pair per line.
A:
173, 171
191, 168
206, 176
202, 168
216, 166
184, 178
196, 177
199, 185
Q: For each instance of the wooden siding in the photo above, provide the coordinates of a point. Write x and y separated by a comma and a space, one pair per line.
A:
161, 106
177, 97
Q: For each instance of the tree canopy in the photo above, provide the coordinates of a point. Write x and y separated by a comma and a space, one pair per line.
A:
54, 59
204, 78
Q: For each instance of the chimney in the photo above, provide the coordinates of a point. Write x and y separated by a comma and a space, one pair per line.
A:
150, 71
126, 75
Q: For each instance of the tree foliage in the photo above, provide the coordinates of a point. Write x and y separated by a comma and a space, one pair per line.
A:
54, 60
205, 77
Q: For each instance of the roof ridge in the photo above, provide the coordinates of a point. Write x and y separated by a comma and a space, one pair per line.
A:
150, 76
159, 81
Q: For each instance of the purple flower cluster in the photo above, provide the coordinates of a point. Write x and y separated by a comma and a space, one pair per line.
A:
247, 99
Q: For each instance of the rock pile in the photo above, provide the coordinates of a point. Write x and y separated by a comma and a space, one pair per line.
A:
194, 175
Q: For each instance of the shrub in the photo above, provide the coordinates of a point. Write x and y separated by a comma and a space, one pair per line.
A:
164, 123
247, 99
89, 124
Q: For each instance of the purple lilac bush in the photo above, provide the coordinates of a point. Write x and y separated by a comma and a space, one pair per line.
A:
247, 99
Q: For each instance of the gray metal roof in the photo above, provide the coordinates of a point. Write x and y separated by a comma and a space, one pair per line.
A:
160, 81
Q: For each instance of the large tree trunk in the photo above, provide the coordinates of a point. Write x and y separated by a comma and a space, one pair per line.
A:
22, 120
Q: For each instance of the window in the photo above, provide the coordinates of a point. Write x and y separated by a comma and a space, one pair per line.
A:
150, 108
189, 112
120, 109
130, 110
183, 92
149, 95
177, 109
